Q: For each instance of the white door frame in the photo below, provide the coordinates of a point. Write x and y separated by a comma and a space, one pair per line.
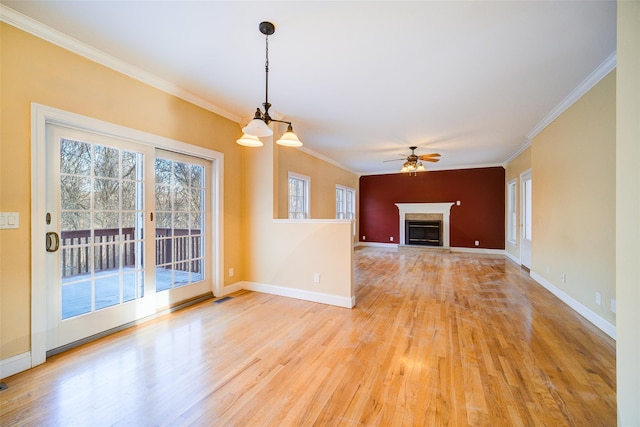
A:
40, 116
524, 176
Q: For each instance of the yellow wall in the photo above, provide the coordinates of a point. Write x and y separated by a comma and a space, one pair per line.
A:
628, 213
34, 70
323, 177
513, 170
287, 254
573, 190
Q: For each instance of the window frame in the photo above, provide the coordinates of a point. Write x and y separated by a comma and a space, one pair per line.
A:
347, 214
306, 214
512, 211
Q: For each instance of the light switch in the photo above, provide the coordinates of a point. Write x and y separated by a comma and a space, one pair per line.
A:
9, 220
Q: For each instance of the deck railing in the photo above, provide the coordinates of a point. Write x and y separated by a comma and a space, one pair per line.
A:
177, 248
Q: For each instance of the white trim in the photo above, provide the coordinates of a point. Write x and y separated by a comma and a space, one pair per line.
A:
307, 193
229, 289
426, 208
510, 225
512, 257
346, 302
322, 157
526, 144
478, 250
58, 38
42, 115
604, 325
592, 79
440, 168
15, 364
306, 221
378, 245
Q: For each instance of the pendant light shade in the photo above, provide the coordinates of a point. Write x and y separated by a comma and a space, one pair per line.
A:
289, 139
257, 127
249, 141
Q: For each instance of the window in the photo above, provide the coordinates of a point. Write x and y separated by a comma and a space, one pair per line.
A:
345, 202
511, 212
298, 196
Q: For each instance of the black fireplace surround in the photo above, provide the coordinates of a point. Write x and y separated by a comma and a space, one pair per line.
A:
425, 233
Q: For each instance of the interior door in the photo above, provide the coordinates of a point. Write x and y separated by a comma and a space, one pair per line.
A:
526, 219
98, 259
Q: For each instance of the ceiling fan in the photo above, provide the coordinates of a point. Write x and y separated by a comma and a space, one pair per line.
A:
413, 162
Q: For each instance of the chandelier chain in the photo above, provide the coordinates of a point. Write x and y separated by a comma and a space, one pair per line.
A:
266, 70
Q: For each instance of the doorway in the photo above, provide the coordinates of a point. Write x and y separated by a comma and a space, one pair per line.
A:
526, 218
97, 200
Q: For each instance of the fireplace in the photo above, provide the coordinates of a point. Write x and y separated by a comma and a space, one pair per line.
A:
425, 212
426, 233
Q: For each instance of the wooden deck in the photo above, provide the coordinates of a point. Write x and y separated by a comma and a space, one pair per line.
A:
436, 339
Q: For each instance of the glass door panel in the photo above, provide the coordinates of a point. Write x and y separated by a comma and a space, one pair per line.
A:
180, 213
101, 226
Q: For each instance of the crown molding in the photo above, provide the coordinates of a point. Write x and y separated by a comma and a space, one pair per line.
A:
526, 144
592, 79
38, 29
443, 168
326, 159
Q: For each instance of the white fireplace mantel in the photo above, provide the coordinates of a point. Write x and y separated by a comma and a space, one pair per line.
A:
426, 208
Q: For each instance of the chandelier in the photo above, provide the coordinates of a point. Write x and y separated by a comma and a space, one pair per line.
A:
259, 126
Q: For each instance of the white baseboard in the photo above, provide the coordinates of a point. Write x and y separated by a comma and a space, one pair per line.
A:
15, 364
347, 302
378, 245
512, 257
226, 290
478, 250
583, 310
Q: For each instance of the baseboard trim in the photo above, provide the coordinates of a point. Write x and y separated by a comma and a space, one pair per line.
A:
478, 250
378, 245
226, 290
15, 364
346, 302
602, 324
512, 257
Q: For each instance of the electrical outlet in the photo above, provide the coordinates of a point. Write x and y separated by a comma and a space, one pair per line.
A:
231, 272
477, 242
564, 278
598, 298
391, 238
613, 305
364, 237
316, 278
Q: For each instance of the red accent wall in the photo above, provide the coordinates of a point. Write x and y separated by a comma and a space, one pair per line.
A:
480, 215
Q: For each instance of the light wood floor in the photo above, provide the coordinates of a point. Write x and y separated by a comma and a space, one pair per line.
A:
436, 339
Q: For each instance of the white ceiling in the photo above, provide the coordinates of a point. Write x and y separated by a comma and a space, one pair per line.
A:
362, 80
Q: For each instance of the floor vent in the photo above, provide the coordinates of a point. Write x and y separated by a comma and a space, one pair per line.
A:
3, 386
218, 301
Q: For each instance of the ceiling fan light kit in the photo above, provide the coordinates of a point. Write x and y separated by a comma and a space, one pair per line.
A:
259, 125
413, 163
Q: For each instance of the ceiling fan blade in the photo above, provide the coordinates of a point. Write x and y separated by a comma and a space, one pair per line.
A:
432, 159
392, 160
428, 156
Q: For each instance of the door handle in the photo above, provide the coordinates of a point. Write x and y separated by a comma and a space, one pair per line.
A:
53, 241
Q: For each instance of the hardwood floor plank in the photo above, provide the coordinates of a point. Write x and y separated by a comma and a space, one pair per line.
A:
436, 339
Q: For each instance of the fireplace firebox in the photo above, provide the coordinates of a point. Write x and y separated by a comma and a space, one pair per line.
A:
426, 233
